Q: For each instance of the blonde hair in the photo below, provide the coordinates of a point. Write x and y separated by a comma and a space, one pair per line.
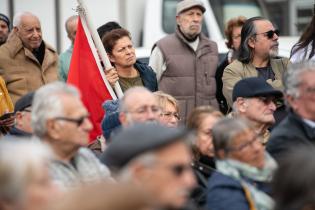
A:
164, 98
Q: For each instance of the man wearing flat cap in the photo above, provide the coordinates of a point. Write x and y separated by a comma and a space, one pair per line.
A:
156, 158
22, 110
255, 100
4, 28
185, 62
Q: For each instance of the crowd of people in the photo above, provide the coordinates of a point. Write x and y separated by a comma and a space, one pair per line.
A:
190, 132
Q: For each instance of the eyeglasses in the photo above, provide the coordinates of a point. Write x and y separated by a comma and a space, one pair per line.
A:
146, 109
267, 100
246, 144
270, 34
79, 121
171, 114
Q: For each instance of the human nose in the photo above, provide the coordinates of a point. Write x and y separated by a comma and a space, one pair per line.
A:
272, 106
189, 179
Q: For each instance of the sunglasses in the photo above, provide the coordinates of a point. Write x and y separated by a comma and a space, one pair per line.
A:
270, 34
79, 121
267, 100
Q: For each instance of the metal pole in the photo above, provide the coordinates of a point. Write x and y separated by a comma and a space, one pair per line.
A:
98, 43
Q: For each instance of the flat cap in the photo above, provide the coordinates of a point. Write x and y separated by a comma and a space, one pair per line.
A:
254, 87
5, 18
187, 4
24, 102
138, 139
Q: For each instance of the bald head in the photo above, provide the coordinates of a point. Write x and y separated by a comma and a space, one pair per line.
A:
28, 28
138, 105
71, 27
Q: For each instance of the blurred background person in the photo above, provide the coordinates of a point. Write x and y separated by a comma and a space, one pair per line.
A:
156, 158
169, 109
65, 57
233, 36
62, 122
23, 110
4, 28
244, 169
105, 196
202, 119
304, 49
293, 183
25, 183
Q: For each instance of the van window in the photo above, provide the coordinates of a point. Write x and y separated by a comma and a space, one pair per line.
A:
169, 17
227, 9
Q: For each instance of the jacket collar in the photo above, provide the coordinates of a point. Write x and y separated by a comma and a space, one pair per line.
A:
15, 45
308, 130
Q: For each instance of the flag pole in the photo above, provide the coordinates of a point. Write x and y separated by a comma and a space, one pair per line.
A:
98, 43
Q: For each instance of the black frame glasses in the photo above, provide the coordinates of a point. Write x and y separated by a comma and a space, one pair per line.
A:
79, 121
269, 34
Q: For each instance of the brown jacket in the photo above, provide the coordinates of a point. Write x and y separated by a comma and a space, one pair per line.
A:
21, 70
189, 75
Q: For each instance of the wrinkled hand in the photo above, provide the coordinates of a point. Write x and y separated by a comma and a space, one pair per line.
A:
111, 76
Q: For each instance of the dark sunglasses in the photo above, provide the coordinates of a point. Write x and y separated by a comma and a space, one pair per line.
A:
79, 121
267, 100
271, 33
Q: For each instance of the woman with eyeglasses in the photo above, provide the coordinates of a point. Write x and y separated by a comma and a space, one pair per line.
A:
169, 109
201, 120
244, 169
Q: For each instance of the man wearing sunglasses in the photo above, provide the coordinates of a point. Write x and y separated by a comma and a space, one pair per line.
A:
257, 57
255, 100
156, 158
60, 119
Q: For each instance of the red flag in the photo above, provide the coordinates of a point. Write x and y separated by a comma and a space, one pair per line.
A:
85, 73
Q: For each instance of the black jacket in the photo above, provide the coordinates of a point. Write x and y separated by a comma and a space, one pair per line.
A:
147, 76
289, 134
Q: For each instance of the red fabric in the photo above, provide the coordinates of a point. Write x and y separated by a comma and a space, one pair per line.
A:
85, 75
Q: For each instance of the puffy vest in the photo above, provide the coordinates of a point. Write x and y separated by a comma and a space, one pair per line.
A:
189, 75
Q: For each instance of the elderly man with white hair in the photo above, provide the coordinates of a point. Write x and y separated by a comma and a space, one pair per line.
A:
60, 119
26, 61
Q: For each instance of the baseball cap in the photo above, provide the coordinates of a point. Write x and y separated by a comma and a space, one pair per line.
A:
254, 87
187, 4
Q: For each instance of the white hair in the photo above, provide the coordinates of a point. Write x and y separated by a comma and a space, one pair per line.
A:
20, 161
47, 104
18, 17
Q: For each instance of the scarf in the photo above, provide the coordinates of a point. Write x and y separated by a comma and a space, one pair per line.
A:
240, 171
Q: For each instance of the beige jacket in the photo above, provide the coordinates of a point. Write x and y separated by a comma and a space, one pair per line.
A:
20, 69
238, 70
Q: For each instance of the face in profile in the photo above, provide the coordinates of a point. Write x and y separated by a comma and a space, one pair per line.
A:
204, 135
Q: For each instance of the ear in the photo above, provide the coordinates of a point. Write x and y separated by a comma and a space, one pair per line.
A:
178, 19
241, 104
123, 118
15, 29
251, 42
221, 154
292, 101
111, 57
53, 129
18, 118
